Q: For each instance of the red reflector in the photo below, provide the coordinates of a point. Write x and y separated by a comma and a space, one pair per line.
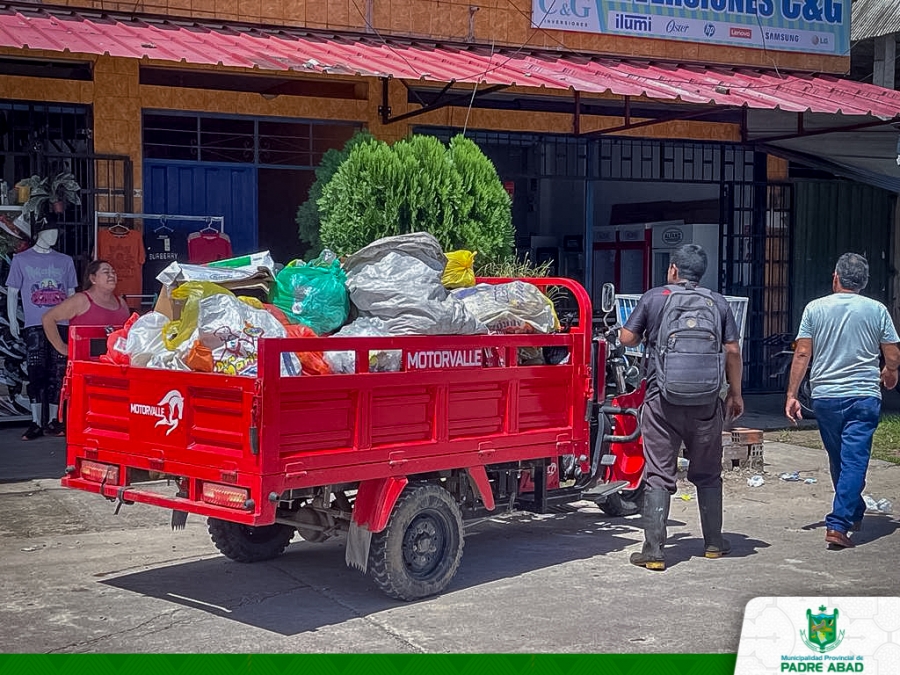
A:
97, 472
225, 495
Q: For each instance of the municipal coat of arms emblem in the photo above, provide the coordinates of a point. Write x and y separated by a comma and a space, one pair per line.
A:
822, 632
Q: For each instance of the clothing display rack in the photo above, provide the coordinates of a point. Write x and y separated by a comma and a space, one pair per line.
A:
162, 218
212, 222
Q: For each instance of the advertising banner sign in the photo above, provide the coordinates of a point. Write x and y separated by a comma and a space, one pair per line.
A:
815, 26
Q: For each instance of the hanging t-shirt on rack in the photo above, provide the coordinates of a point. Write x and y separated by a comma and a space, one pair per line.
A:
124, 249
208, 246
163, 246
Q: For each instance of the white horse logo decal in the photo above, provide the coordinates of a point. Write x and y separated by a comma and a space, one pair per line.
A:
171, 410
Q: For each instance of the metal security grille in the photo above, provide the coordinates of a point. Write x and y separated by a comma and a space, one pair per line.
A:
663, 160
756, 246
47, 139
755, 217
243, 140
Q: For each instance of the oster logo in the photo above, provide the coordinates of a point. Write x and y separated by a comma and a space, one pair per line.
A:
742, 33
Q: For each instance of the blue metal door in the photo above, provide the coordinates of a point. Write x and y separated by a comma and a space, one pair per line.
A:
204, 189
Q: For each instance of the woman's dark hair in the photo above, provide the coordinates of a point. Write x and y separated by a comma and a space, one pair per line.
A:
92, 269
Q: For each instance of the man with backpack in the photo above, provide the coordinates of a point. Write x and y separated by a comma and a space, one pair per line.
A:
692, 344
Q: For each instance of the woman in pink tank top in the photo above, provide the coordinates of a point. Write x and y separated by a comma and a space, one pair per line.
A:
96, 305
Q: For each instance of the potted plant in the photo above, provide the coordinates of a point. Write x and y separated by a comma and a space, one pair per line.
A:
38, 196
64, 189
52, 194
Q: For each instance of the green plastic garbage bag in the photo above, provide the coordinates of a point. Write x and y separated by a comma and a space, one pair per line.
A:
313, 293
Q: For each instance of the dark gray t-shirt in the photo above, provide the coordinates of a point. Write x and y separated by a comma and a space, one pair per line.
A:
645, 319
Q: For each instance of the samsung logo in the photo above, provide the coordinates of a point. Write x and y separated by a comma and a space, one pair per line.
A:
634, 23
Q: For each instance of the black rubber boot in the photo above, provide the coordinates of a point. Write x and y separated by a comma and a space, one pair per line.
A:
710, 501
655, 512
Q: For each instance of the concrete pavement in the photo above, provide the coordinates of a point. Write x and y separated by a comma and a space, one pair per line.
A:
76, 578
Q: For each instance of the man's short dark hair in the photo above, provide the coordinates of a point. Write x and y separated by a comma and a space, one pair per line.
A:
852, 271
691, 261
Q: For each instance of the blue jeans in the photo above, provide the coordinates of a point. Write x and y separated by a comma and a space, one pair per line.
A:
847, 426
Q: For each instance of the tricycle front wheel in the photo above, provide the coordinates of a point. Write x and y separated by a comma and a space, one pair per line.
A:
419, 551
247, 544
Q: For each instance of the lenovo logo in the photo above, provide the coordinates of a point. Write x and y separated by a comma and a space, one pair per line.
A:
742, 33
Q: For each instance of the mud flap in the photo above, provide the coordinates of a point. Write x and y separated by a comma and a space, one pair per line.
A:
359, 538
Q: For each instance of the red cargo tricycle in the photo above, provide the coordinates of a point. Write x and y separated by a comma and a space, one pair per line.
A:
394, 460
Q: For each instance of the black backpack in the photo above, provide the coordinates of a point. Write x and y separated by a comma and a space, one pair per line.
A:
690, 359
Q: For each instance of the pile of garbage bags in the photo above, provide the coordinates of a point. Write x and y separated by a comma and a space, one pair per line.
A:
404, 285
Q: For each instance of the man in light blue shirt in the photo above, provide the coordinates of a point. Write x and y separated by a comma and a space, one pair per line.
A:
842, 334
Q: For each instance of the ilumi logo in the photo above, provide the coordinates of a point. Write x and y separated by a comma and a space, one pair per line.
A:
822, 634
636, 23
169, 410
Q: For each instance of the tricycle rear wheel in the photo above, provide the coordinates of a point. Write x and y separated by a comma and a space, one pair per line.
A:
419, 551
246, 544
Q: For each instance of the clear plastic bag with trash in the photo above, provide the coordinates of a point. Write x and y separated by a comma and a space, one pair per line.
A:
881, 505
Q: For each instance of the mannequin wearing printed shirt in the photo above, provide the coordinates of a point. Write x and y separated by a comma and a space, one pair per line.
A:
45, 278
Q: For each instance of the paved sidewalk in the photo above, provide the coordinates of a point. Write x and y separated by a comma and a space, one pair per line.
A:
74, 577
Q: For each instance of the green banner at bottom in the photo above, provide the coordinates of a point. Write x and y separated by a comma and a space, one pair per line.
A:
367, 664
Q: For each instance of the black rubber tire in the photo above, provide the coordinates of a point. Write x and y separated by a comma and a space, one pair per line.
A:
246, 544
624, 503
425, 515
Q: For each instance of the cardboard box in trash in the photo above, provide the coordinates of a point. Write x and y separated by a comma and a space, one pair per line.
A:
251, 275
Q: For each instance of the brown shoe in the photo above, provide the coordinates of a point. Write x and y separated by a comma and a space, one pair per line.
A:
838, 539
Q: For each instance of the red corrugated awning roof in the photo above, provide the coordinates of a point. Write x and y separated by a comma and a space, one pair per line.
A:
84, 32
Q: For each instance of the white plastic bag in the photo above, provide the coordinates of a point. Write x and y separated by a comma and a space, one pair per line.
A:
379, 361
180, 272
145, 338
408, 296
420, 246
515, 307
231, 329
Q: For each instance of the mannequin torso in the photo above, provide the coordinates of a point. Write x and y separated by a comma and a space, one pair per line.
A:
42, 297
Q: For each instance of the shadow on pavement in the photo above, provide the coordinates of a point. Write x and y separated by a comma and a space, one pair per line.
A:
683, 547
310, 586
42, 458
875, 526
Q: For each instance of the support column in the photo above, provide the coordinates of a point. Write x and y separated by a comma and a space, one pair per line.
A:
885, 60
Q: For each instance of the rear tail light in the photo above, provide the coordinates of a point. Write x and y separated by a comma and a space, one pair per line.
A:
100, 473
225, 495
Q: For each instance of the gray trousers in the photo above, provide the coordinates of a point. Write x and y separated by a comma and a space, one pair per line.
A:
665, 426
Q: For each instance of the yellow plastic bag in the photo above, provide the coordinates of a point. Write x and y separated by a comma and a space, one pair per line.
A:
253, 302
460, 269
191, 293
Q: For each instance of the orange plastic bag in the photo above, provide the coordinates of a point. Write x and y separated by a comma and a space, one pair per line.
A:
313, 363
200, 358
115, 344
